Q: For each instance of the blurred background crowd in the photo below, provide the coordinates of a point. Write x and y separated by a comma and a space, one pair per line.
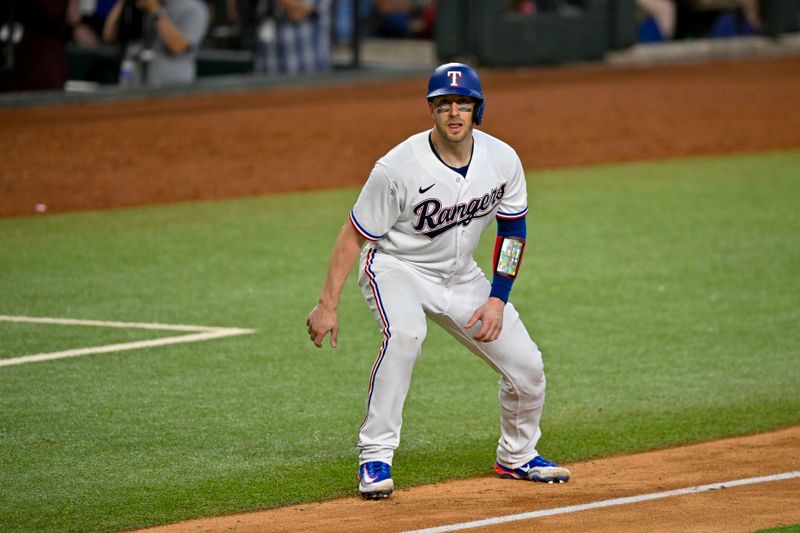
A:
156, 42
662, 20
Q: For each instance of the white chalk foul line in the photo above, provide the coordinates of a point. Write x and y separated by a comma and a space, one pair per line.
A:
202, 333
103, 323
609, 503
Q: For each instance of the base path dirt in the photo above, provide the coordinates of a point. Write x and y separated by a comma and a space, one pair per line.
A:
732, 509
205, 147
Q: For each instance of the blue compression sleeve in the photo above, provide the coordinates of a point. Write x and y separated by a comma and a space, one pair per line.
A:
501, 284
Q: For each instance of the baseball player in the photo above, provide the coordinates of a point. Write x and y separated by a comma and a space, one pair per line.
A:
421, 214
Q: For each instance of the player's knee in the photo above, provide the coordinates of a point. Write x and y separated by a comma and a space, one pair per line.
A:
533, 385
409, 337
524, 386
527, 381
533, 382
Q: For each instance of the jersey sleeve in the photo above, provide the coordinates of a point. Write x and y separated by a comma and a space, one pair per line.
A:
377, 207
515, 197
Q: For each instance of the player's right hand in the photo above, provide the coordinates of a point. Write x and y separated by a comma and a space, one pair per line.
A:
321, 321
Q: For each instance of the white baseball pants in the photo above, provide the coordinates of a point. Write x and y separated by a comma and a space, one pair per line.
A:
401, 296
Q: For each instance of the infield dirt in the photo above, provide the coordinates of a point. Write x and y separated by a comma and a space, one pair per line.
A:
205, 147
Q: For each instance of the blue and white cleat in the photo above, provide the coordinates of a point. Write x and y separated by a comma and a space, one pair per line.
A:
375, 480
538, 469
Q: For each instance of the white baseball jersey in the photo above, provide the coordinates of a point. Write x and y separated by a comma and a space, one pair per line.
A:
421, 211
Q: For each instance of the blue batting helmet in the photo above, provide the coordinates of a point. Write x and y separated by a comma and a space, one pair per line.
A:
457, 78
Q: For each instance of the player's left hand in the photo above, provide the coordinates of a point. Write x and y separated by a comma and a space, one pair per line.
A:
490, 316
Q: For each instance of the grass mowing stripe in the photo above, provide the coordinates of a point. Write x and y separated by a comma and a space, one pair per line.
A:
664, 297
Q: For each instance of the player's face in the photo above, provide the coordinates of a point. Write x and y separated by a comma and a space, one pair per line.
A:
452, 116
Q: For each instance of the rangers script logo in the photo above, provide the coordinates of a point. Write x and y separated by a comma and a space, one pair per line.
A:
433, 219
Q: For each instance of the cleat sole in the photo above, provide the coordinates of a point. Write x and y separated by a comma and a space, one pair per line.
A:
379, 495
551, 480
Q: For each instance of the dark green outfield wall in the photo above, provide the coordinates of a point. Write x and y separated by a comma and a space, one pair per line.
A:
489, 32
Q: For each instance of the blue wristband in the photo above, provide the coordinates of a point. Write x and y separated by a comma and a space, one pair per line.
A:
501, 287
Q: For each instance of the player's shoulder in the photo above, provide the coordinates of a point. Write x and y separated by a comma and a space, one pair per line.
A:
494, 151
492, 142
407, 148
405, 156
400, 164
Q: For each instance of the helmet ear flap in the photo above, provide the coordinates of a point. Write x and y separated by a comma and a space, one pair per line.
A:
477, 116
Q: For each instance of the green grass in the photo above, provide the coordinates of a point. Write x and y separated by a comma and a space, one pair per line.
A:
664, 296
